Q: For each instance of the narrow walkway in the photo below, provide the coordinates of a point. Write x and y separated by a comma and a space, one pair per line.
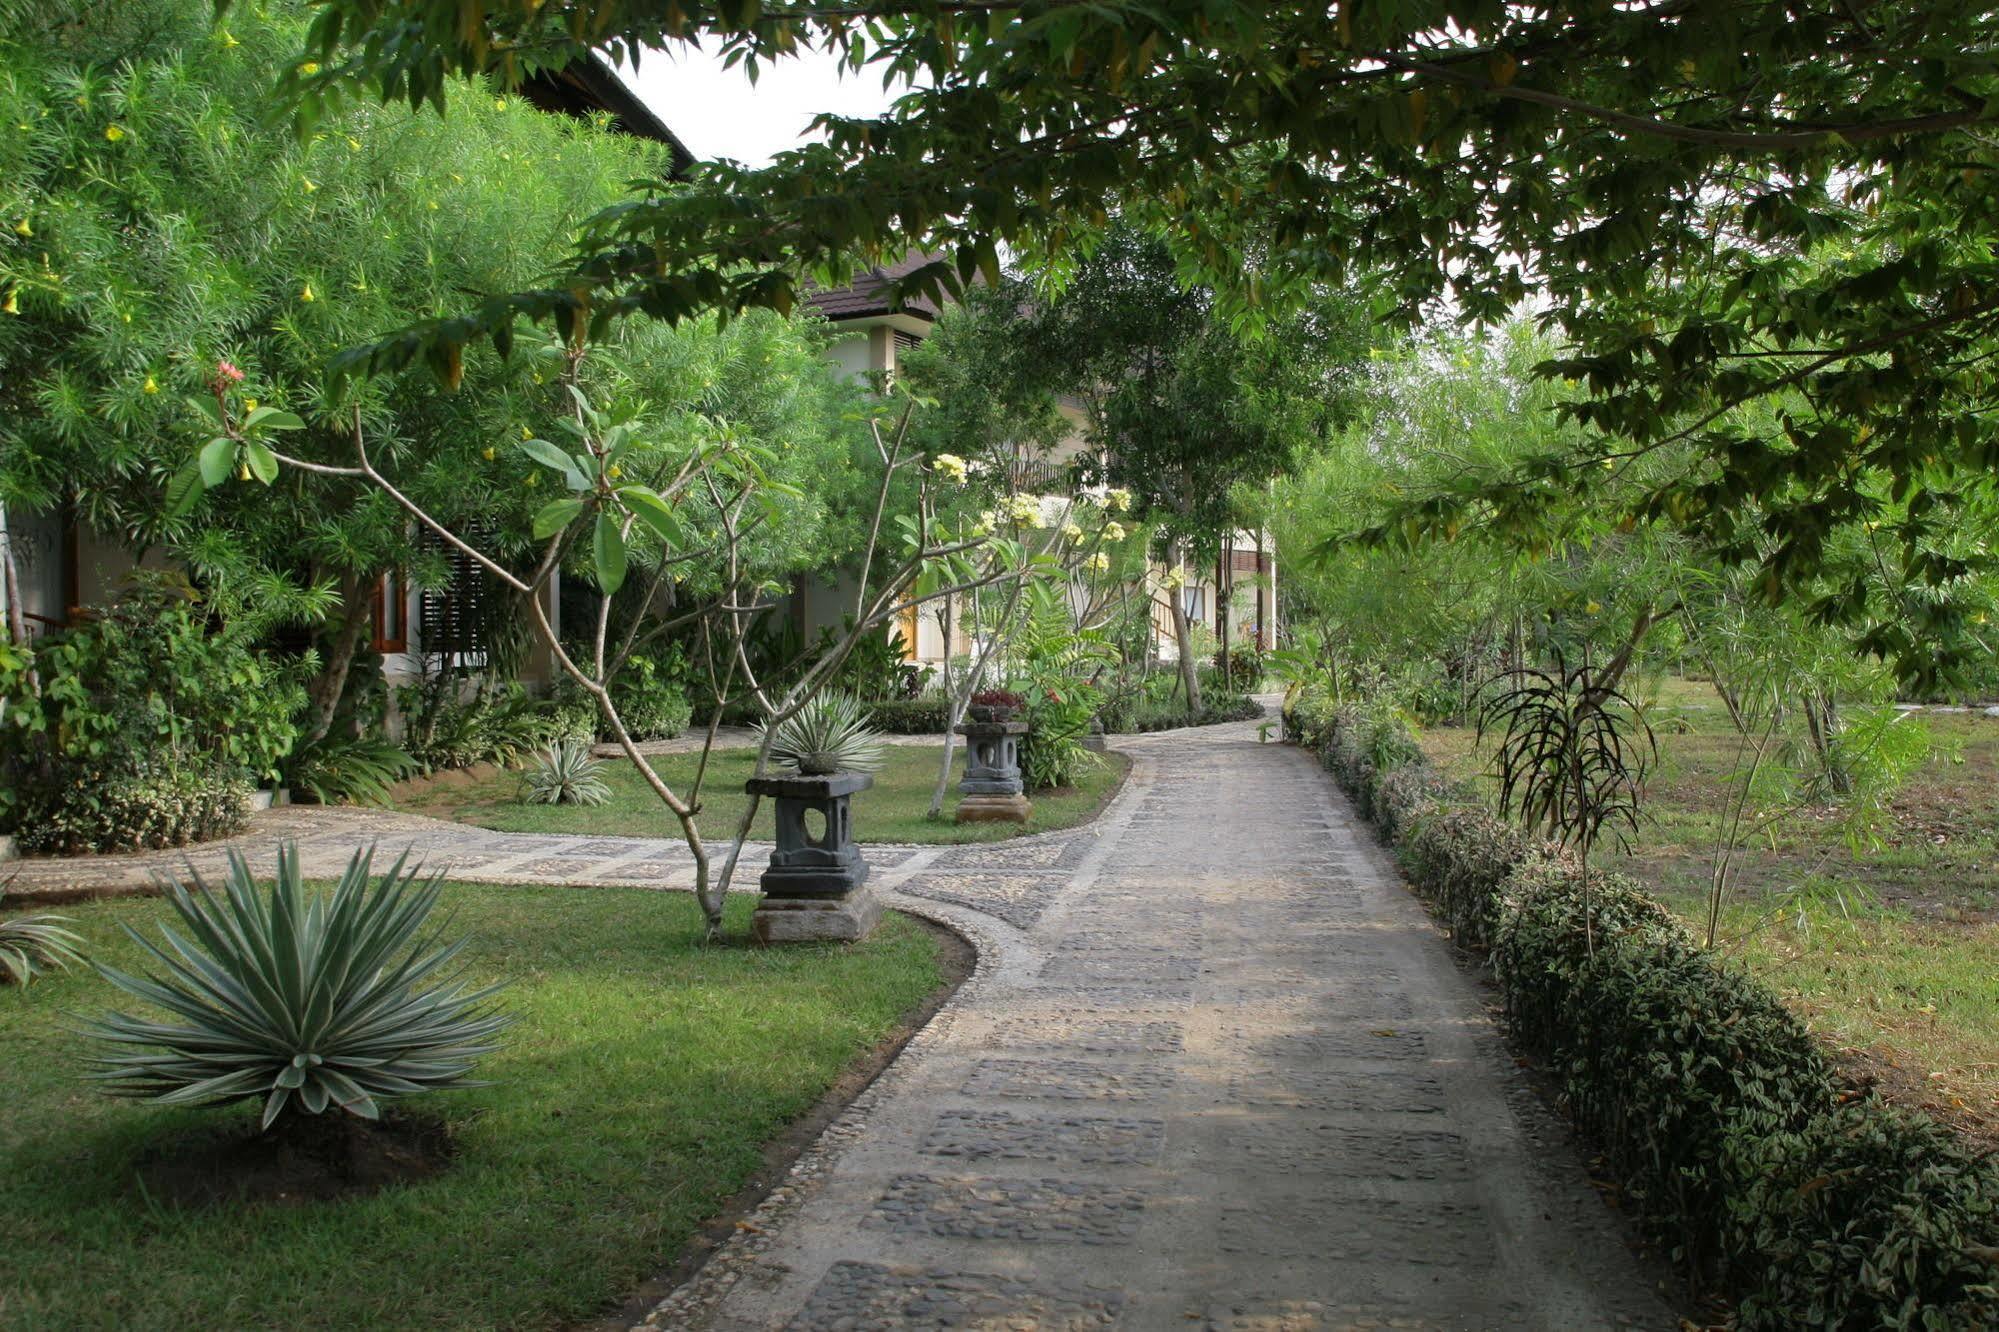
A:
1215, 1070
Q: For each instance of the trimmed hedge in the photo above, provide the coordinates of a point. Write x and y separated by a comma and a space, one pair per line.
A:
146, 811
1138, 718
1712, 1103
911, 716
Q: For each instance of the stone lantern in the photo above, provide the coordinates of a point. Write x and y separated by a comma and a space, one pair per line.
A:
816, 884
992, 786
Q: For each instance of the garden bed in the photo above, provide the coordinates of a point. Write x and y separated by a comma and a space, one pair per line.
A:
892, 811
648, 1080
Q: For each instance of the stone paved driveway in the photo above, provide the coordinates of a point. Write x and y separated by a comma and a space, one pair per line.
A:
1215, 1070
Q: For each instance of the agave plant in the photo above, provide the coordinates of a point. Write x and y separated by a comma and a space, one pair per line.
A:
307, 1000
31, 945
566, 775
829, 734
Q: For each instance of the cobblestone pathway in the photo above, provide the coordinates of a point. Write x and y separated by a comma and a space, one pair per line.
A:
1215, 1070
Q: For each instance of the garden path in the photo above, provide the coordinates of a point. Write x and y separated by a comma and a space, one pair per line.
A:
1215, 1069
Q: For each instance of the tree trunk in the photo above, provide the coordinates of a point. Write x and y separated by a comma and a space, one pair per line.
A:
1190, 675
331, 683
10, 593
1822, 724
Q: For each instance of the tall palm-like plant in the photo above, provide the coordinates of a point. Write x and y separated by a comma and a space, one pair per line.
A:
310, 1001
1572, 760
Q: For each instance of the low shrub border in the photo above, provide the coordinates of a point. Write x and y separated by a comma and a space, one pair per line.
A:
1812, 1205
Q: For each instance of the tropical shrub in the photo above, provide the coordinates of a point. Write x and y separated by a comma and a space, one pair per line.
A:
649, 700
149, 725
349, 769
566, 775
911, 716
140, 811
829, 733
307, 1001
32, 944
1058, 713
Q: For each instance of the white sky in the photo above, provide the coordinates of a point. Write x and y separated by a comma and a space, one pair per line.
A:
718, 113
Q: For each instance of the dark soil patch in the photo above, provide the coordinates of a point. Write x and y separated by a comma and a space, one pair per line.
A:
956, 959
315, 1158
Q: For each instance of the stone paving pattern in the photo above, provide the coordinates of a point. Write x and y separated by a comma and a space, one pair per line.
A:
1215, 1069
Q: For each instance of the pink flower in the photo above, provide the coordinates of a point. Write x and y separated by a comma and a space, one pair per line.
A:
226, 374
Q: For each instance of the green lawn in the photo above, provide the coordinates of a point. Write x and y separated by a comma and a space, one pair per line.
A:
1890, 953
891, 811
636, 1089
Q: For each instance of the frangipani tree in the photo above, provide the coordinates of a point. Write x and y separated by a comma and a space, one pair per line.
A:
686, 491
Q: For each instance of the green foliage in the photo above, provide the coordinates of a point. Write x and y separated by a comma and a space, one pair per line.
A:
829, 733
1059, 710
35, 943
100, 810
451, 720
1713, 1104
1574, 754
308, 1002
1868, 1217
567, 774
911, 716
149, 724
349, 769
649, 699
1789, 210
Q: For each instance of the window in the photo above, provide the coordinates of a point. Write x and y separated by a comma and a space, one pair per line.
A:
1194, 600
391, 632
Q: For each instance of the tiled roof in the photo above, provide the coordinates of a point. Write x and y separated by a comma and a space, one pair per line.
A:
867, 295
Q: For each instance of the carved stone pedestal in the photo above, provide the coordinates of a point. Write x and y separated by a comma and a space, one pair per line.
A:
992, 785
815, 886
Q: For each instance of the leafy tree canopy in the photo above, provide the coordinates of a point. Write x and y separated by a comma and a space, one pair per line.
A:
1713, 202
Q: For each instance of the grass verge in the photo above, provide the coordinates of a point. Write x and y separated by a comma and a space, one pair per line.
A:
891, 811
639, 1086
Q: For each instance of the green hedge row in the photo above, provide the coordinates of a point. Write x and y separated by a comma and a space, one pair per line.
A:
1713, 1104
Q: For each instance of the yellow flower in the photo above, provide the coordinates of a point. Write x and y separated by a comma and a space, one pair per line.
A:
229, 42
305, 183
1176, 579
433, 205
22, 228
114, 132
1073, 532
13, 305
1113, 532
353, 144
1119, 499
249, 404
152, 385
526, 433
305, 292
487, 453
951, 465
499, 103
1024, 510
616, 471
1100, 562
1593, 607
309, 68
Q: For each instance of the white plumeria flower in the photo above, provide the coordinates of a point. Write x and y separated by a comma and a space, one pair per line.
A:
1024, 510
1072, 531
1114, 532
1099, 562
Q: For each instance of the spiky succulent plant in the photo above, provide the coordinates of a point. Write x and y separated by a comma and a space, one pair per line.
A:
567, 775
829, 734
31, 945
309, 1001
